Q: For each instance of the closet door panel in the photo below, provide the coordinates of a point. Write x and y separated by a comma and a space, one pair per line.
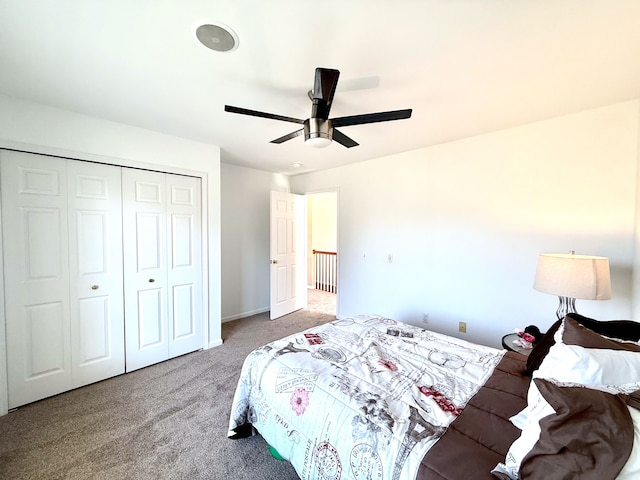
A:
95, 333
43, 244
149, 241
145, 254
185, 269
44, 340
36, 270
95, 238
184, 317
151, 328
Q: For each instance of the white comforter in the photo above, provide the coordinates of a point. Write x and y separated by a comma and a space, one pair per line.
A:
358, 398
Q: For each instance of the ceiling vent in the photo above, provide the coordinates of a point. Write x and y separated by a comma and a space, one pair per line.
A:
217, 37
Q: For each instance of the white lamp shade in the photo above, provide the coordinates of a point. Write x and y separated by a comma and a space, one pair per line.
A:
573, 276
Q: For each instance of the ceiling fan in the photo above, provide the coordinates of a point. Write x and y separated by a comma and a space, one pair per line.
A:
320, 130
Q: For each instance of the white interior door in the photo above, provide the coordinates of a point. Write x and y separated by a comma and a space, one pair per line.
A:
163, 270
144, 238
96, 274
36, 269
288, 267
63, 269
185, 264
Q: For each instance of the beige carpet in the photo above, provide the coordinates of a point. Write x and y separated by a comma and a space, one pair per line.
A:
166, 421
320, 301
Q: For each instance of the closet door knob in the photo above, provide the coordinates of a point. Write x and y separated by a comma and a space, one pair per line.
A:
151, 280
94, 287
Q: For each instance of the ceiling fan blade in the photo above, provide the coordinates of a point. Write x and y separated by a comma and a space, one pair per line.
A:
342, 139
255, 113
288, 136
371, 118
324, 88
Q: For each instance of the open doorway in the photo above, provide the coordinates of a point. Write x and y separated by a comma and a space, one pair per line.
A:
322, 251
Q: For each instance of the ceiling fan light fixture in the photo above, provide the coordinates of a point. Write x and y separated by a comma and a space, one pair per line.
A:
317, 132
318, 142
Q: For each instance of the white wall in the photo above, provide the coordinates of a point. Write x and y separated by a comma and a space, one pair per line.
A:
245, 200
43, 129
323, 208
465, 222
322, 228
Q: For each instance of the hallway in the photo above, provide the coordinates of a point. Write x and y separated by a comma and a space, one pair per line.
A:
321, 301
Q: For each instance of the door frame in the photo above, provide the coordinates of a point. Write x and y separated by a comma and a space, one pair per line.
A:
335, 190
209, 289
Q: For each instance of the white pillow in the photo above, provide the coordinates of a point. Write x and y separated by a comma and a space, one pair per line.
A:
591, 366
613, 371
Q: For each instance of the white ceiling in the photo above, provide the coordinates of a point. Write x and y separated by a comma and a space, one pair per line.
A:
466, 67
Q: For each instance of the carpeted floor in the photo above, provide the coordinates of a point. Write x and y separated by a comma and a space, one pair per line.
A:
320, 301
166, 421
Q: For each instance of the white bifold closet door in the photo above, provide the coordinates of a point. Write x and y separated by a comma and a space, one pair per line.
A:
163, 272
62, 245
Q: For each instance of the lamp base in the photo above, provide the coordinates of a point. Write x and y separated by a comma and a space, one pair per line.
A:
567, 305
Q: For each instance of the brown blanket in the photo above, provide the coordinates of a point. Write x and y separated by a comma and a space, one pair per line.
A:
480, 437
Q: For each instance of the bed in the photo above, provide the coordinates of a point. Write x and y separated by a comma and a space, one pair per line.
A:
369, 397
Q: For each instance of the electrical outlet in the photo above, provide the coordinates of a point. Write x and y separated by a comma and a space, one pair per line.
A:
462, 327
425, 318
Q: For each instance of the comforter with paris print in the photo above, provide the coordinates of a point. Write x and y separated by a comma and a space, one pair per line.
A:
358, 398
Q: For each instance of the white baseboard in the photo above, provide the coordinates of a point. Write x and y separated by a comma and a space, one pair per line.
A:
245, 314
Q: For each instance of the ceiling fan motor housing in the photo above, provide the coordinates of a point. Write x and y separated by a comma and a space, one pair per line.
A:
318, 131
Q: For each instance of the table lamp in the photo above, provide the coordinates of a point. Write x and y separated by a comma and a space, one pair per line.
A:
571, 276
